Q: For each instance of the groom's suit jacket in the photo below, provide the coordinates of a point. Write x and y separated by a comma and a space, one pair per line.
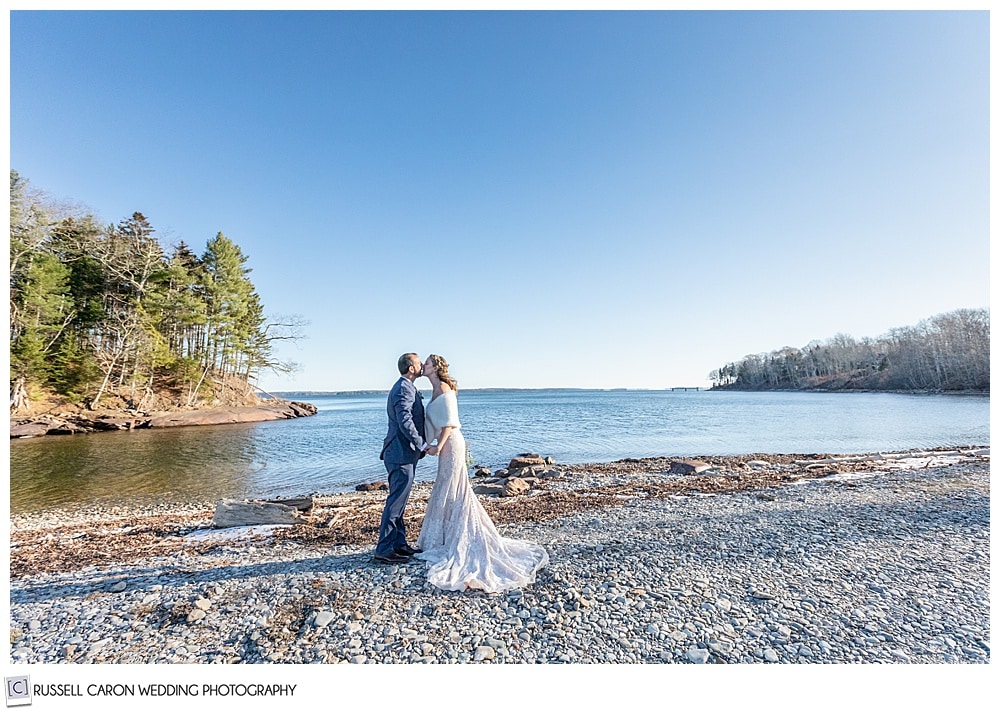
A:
404, 441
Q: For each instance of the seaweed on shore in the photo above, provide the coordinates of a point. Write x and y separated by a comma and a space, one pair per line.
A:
353, 518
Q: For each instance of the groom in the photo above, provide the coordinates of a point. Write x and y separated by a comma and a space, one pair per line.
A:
403, 446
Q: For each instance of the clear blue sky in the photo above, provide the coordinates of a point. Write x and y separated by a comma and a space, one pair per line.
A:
559, 199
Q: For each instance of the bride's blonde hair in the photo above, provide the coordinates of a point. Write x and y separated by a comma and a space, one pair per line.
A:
441, 368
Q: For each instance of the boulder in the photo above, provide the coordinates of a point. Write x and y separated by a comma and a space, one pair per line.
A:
372, 486
488, 489
688, 466
482, 471
550, 461
303, 409
514, 486
526, 460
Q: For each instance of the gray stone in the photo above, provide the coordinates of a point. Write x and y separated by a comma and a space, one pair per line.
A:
721, 647
488, 489
697, 655
484, 652
323, 618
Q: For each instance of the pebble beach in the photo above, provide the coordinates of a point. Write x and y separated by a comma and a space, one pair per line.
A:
758, 560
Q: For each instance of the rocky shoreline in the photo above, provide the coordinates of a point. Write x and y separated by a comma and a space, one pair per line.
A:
756, 559
66, 423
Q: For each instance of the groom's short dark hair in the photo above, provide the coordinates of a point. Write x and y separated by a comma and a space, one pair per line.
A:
404, 362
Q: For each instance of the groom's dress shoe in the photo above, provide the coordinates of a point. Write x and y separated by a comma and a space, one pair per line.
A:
407, 550
391, 558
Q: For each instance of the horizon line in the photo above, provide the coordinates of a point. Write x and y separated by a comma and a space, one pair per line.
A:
487, 389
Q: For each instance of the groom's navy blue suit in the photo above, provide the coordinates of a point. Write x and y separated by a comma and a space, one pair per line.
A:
402, 448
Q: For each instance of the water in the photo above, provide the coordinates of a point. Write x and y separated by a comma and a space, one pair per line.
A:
338, 447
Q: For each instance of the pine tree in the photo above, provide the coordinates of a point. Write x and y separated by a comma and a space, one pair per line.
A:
96, 309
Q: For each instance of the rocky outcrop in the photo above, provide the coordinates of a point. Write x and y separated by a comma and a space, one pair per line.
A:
226, 415
67, 423
28, 429
111, 423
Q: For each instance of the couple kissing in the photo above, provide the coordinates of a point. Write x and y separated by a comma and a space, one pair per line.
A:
457, 540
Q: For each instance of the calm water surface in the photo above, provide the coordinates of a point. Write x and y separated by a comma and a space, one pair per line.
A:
338, 447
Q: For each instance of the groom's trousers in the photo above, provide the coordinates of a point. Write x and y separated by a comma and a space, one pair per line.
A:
392, 531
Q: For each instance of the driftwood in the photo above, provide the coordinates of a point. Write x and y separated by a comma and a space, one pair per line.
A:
302, 503
229, 513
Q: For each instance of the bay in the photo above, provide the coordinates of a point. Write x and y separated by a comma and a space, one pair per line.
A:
338, 447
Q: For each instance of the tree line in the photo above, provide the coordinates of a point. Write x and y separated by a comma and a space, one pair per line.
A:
947, 352
104, 308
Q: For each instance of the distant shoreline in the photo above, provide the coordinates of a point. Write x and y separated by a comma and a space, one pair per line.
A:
353, 393
849, 390
342, 393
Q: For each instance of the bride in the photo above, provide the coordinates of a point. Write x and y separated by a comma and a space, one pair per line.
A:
458, 540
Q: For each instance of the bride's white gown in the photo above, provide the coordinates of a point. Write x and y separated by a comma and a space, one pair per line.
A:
460, 543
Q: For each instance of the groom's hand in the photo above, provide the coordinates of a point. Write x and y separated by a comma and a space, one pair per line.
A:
433, 451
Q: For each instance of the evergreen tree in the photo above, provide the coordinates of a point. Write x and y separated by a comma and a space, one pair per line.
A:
97, 309
227, 291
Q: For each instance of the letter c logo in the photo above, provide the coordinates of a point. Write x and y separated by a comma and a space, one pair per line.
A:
18, 687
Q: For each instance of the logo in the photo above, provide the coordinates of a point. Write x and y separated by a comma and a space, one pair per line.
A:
18, 691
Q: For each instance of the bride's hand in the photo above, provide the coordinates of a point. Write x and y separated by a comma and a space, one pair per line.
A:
433, 450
